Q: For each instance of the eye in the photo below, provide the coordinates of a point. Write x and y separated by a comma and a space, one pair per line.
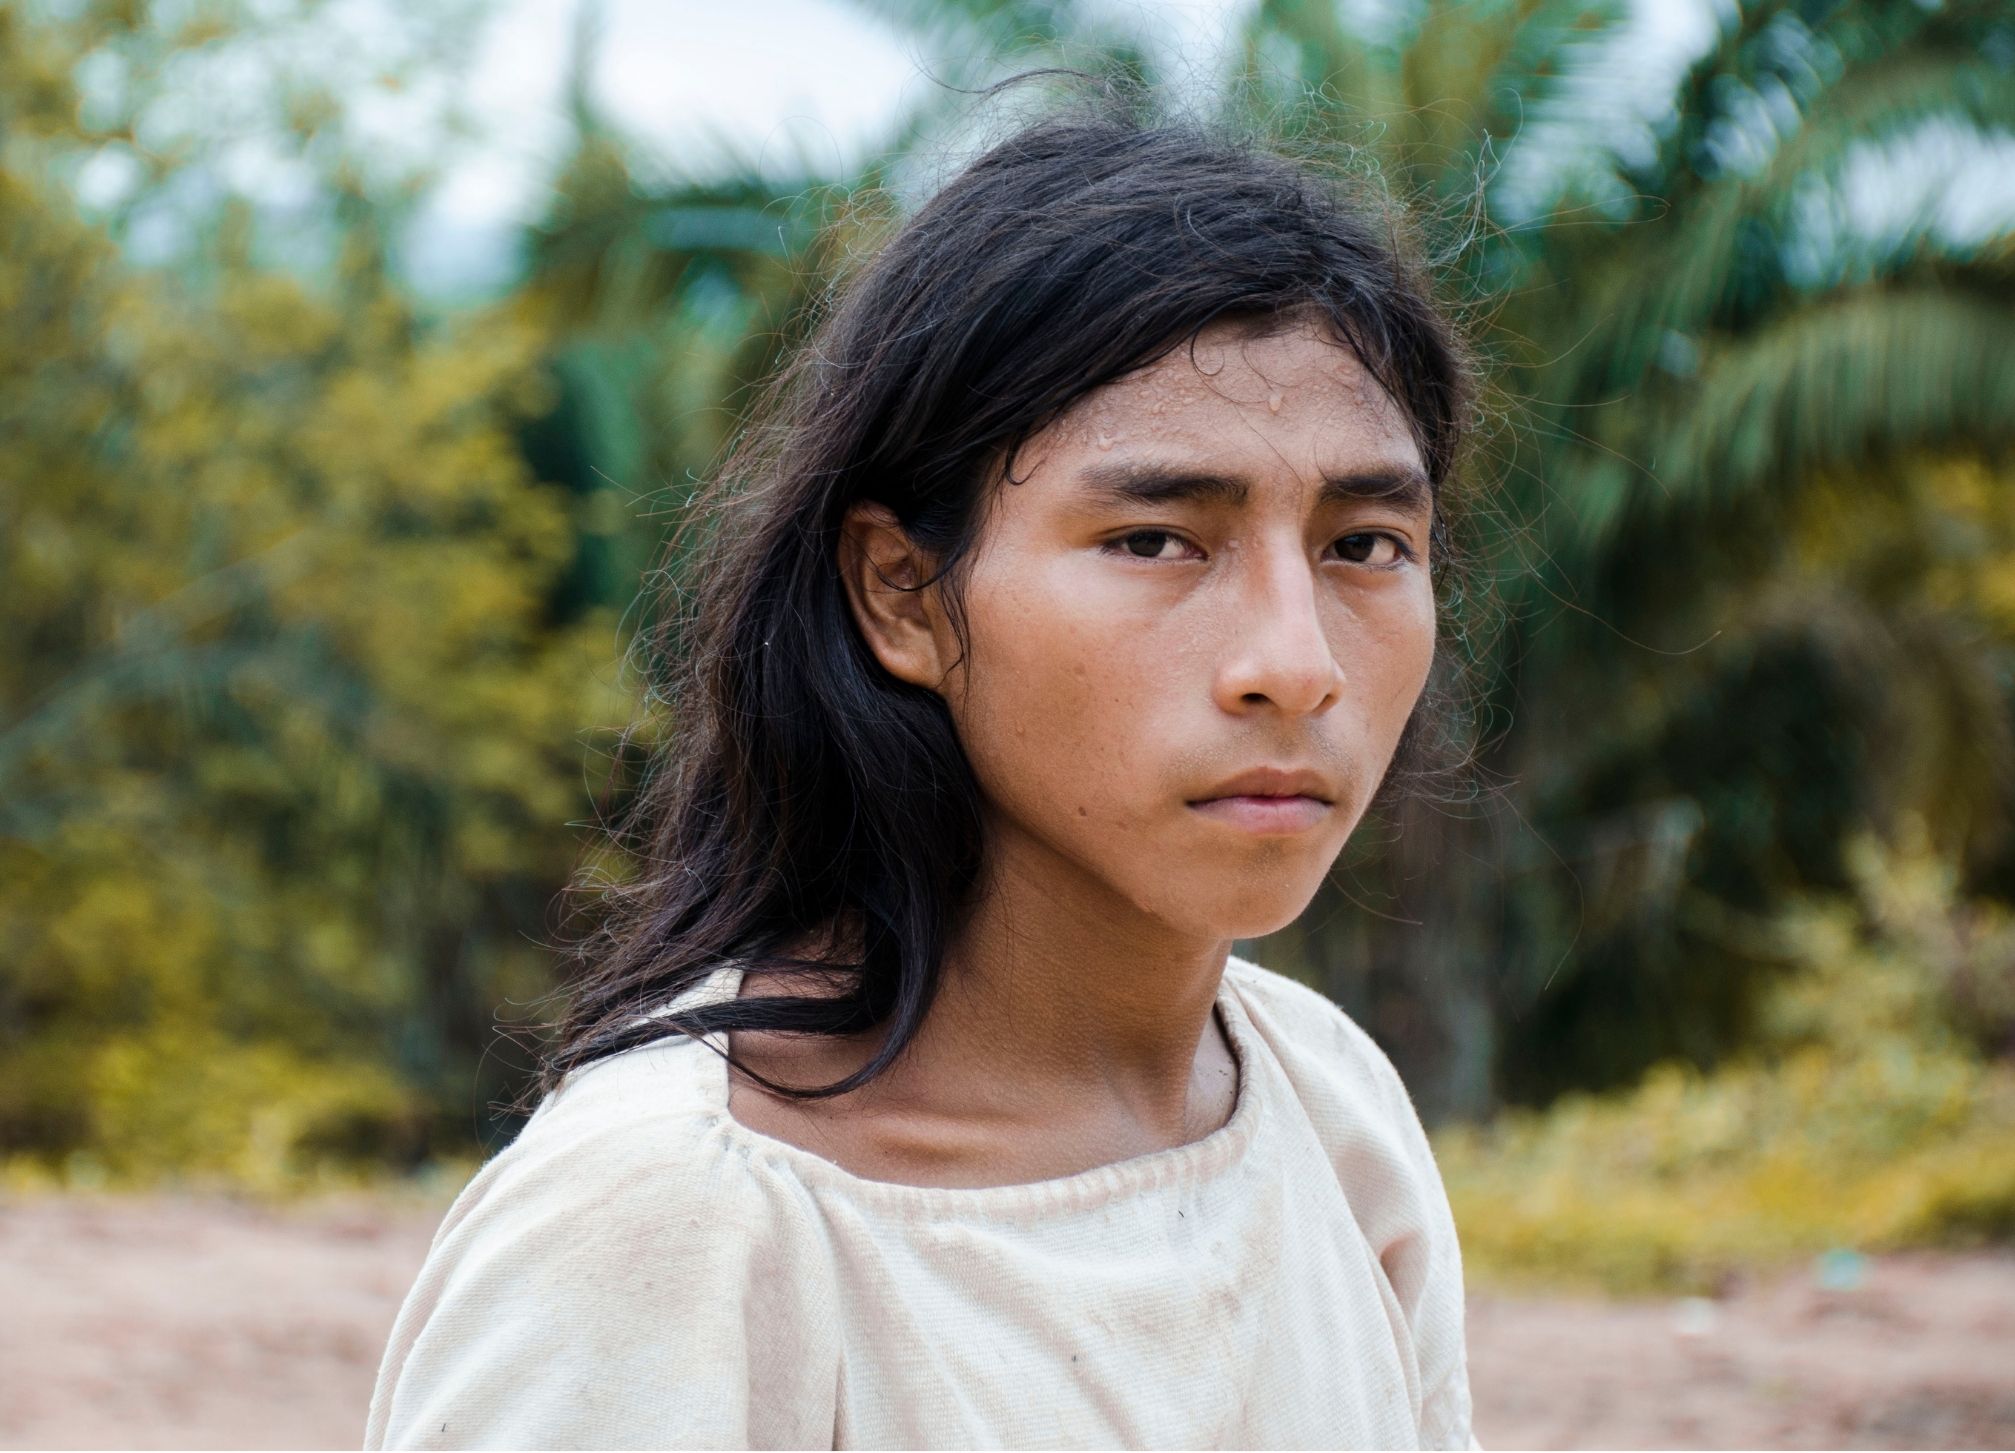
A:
1360, 548
1145, 545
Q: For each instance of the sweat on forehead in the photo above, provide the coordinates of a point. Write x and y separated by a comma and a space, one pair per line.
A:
1231, 380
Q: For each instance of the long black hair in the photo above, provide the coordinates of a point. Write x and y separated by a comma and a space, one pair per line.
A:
806, 796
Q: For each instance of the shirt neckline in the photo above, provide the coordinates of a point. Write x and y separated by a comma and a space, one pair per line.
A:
1179, 1165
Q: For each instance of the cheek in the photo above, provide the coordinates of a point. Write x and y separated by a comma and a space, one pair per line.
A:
1059, 717
1403, 641
1386, 650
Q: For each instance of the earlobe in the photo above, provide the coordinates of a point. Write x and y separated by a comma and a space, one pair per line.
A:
882, 571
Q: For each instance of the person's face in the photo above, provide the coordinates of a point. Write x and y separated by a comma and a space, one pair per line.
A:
1214, 565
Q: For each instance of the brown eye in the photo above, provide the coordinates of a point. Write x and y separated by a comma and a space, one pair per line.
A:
1360, 548
1145, 544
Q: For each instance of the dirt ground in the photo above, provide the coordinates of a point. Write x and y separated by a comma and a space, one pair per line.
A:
178, 1323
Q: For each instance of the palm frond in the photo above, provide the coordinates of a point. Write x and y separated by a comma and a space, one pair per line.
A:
1840, 380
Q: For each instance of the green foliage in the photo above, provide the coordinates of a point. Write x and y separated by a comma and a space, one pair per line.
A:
290, 730
1687, 340
312, 596
1862, 1113
1684, 338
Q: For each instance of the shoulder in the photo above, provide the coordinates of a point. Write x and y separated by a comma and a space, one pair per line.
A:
1324, 1050
1290, 1002
621, 1148
1372, 1136
624, 1235
1347, 1087
613, 1150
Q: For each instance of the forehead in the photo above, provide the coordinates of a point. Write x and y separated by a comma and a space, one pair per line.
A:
1295, 402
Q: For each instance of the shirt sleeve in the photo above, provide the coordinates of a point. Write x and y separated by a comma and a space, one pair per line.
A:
1424, 1265
1413, 1230
616, 1283
1366, 1117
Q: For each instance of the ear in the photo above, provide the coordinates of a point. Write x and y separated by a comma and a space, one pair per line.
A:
881, 568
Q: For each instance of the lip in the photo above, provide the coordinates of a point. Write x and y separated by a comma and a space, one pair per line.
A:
1274, 782
1266, 815
1270, 800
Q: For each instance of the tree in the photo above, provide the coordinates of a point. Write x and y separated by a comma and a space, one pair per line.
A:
289, 724
1686, 344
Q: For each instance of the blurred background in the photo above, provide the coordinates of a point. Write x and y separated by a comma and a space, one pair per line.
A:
356, 359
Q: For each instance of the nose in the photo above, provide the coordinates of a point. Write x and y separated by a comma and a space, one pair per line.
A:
1280, 654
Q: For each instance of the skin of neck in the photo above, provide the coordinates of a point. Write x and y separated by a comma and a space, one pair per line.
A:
1021, 1044
1057, 991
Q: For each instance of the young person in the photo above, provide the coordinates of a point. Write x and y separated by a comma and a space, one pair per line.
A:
1072, 601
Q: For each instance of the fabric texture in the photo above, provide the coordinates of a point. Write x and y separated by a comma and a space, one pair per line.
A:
639, 1269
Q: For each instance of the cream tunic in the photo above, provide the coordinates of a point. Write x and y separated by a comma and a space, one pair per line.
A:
640, 1269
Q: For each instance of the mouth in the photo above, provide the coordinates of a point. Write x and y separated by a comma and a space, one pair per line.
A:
1266, 816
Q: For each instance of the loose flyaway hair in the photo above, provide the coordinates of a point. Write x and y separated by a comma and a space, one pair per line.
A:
811, 816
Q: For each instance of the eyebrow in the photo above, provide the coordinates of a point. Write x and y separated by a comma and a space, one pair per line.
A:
1143, 483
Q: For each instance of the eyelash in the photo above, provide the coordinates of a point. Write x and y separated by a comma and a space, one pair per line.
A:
1405, 551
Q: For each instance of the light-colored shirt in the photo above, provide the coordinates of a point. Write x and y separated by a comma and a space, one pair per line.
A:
640, 1269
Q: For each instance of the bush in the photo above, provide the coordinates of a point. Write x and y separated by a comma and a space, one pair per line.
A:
1865, 1115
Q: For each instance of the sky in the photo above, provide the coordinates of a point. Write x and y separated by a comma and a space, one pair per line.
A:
817, 85
823, 80
771, 80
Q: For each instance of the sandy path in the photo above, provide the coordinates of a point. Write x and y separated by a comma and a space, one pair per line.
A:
163, 1323
1920, 1355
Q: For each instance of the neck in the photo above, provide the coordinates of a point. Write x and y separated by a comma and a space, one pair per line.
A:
1070, 1030
1059, 992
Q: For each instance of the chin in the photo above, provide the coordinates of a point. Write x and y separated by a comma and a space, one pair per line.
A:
1228, 908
